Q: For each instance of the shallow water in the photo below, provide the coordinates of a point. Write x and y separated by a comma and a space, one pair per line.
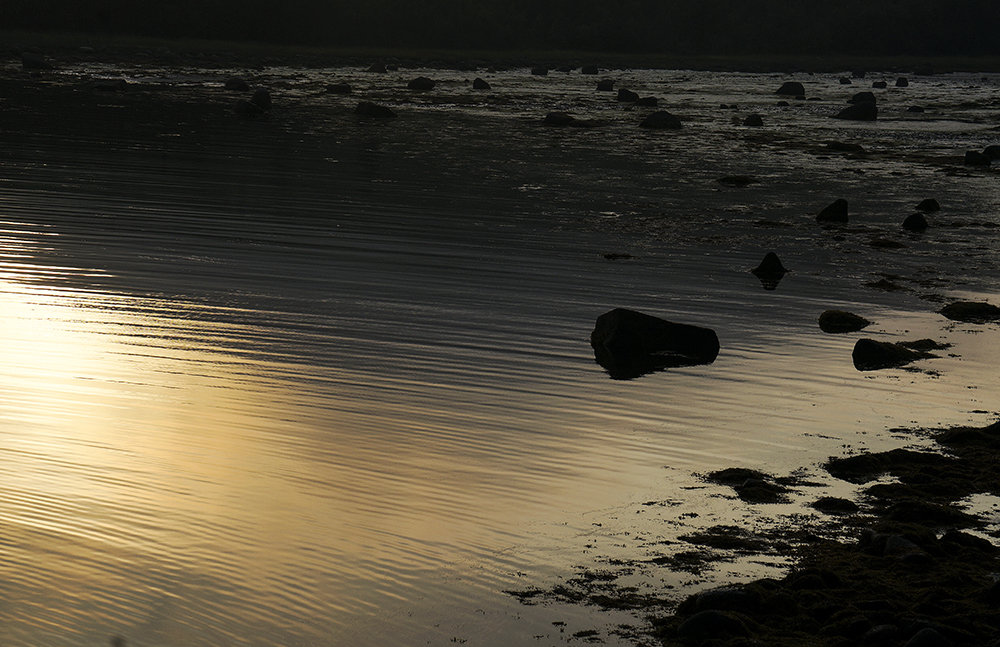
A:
314, 380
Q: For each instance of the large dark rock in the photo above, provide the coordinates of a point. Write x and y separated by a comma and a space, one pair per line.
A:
862, 97
871, 355
839, 321
975, 158
930, 205
481, 84
859, 112
836, 212
421, 84
606, 85
629, 344
753, 121
369, 109
791, 88
971, 312
661, 119
915, 222
627, 96
770, 271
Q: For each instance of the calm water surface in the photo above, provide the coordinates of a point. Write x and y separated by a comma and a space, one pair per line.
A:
312, 380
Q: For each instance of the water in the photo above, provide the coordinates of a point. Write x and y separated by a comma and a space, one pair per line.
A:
314, 380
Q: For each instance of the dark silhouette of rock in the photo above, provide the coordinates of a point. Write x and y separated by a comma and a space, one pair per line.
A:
737, 180
589, 69
791, 88
859, 112
862, 97
835, 505
421, 84
902, 82
836, 212
661, 120
111, 85
929, 205
565, 69
481, 84
839, 321
770, 271
975, 158
369, 109
992, 152
753, 121
915, 222
558, 119
627, 96
605, 85
871, 355
540, 70
629, 344
261, 98
647, 102
880, 85
782, 104
971, 312
845, 81
844, 147
237, 84
915, 109
338, 88
377, 68
32, 61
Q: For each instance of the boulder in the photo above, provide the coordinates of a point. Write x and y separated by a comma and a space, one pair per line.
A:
481, 84
880, 85
836, 211
971, 312
791, 88
605, 85
902, 82
929, 205
992, 151
839, 321
589, 69
627, 96
770, 271
862, 97
915, 222
338, 88
261, 98
975, 158
871, 355
237, 84
647, 102
753, 121
662, 120
629, 344
369, 109
421, 84
859, 112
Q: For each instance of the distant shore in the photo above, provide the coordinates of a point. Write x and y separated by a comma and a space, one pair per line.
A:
79, 47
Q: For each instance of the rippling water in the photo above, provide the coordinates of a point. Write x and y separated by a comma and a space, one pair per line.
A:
313, 380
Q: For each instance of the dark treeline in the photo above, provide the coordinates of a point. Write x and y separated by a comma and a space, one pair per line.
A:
725, 27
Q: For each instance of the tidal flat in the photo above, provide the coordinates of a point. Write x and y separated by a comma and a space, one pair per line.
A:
303, 376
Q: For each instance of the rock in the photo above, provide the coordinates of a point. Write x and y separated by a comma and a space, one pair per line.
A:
782, 104
377, 68
629, 344
739, 181
647, 102
369, 109
880, 85
791, 88
605, 85
558, 119
880, 636
858, 74
662, 120
770, 271
724, 598
565, 69
902, 82
711, 624
237, 84
836, 212
886, 243
835, 505
627, 96
34, 62
871, 355
992, 152
261, 98
971, 312
539, 70
421, 84
915, 222
111, 85
928, 637
859, 112
338, 88
753, 121
845, 147
929, 205
589, 69
845, 81
915, 109
862, 97
481, 84
975, 158
839, 321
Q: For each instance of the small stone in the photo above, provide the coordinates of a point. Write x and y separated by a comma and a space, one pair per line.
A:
915, 222
839, 321
929, 205
835, 212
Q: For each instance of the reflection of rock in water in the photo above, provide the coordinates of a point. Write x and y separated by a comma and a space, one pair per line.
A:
770, 271
630, 344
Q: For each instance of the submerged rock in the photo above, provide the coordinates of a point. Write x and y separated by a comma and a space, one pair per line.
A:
971, 312
661, 119
627, 96
629, 344
369, 109
836, 212
377, 68
791, 88
558, 119
992, 151
871, 355
421, 84
481, 84
839, 321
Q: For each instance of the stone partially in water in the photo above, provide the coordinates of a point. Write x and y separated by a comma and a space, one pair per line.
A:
605, 85
661, 120
915, 222
770, 271
971, 312
839, 321
480, 84
627, 96
237, 84
791, 88
753, 121
421, 84
859, 112
929, 205
629, 344
871, 355
369, 109
862, 97
975, 158
835, 212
